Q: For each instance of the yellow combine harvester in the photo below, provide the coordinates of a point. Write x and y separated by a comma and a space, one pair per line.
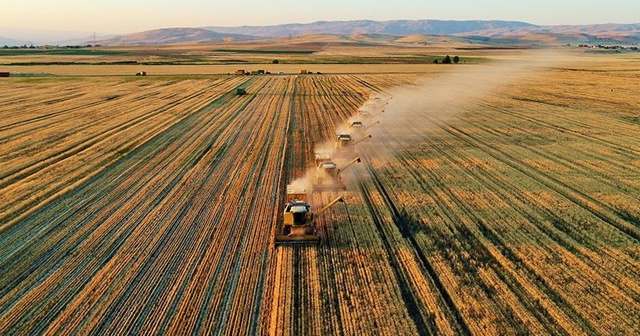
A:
328, 175
344, 141
298, 226
345, 145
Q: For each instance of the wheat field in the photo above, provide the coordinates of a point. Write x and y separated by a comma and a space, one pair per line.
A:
488, 201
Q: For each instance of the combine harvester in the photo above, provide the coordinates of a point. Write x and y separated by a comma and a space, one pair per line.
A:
345, 145
367, 115
298, 226
378, 103
373, 108
328, 175
356, 125
359, 128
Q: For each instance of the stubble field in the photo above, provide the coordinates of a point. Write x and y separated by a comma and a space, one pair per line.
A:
485, 204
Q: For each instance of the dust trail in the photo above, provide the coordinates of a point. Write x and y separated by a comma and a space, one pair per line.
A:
408, 114
303, 184
409, 109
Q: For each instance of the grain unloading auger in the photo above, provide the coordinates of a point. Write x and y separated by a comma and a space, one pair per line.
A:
298, 226
345, 145
368, 136
328, 175
344, 141
368, 127
368, 115
358, 127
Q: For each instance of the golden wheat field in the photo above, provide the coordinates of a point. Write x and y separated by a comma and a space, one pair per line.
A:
493, 199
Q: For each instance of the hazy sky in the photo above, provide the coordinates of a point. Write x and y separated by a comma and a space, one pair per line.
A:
126, 16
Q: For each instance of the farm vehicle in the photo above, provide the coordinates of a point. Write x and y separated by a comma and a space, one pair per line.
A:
298, 220
328, 175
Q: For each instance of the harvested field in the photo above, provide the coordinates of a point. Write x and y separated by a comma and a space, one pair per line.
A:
150, 205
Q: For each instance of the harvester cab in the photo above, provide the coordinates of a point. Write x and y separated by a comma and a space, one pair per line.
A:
364, 113
327, 177
298, 225
322, 157
373, 107
344, 142
356, 127
378, 101
326, 170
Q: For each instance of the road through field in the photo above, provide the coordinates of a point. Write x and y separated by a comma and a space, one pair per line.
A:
149, 206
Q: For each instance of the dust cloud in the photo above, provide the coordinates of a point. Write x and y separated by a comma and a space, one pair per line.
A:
413, 108
397, 119
303, 184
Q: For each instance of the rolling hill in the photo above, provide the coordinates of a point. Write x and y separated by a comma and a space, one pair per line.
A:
9, 42
173, 36
431, 27
395, 27
491, 31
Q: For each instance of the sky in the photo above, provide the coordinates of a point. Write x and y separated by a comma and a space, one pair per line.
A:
130, 16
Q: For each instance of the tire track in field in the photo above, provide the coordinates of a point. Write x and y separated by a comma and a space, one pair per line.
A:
465, 234
584, 322
151, 147
627, 151
567, 238
610, 179
579, 198
453, 314
68, 153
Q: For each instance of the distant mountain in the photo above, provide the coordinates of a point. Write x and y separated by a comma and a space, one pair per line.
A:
173, 36
395, 27
42, 36
495, 30
10, 42
595, 29
597, 33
